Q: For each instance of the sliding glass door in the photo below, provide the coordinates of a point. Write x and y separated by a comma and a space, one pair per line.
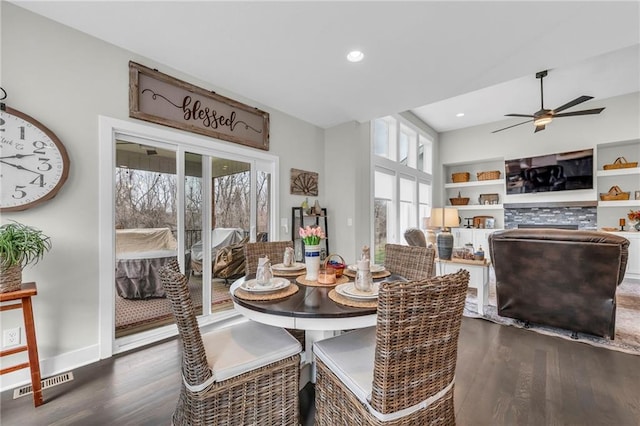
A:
197, 205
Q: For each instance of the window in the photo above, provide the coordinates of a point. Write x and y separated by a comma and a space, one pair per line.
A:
403, 157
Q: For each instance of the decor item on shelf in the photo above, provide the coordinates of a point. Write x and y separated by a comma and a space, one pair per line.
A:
20, 245
490, 175
634, 216
622, 223
620, 163
311, 237
316, 210
460, 177
485, 199
459, 201
480, 222
615, 194
444, 218
637, 195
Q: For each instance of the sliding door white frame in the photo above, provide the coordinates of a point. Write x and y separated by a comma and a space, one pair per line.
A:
180, 142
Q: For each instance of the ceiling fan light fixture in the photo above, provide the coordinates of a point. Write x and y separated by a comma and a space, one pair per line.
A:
542, 121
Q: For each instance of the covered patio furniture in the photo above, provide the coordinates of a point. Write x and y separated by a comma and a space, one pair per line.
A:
140, 254
220, 237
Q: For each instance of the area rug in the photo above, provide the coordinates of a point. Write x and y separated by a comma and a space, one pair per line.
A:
627, 338
133, 316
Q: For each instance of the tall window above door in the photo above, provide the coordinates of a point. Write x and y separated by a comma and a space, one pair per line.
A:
403, 163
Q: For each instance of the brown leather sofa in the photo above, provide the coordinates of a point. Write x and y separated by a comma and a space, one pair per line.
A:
560, 278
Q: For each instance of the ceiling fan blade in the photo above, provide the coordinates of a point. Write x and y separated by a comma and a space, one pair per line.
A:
583, 112
505, 128
538, 128
518, 115
574, 102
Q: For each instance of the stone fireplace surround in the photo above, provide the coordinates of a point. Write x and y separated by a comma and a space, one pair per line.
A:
582, 214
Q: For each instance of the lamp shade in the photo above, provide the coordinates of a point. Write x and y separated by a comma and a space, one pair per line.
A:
444, 217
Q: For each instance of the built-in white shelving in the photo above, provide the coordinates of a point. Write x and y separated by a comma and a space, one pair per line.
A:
460, 185
480, 207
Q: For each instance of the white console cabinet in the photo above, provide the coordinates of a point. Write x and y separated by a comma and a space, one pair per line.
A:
633, 263
477, 237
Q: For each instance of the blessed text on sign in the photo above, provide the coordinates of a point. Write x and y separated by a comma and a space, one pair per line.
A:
162, 99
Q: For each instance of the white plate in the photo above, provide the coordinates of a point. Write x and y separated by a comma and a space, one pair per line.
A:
295, 267
349, 290
277, 283
372, 268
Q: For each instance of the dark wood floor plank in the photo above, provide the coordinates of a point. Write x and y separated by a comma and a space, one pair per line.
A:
505, 376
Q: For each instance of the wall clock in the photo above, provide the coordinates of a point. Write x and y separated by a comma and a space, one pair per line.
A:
33, 162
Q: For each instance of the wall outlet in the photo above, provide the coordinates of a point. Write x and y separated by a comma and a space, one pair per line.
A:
11, 337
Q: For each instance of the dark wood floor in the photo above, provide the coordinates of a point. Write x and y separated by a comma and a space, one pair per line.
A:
505, 376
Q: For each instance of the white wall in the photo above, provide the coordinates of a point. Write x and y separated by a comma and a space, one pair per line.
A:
66, 79
349, 182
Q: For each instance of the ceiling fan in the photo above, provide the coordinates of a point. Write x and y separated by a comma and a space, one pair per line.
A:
543, 117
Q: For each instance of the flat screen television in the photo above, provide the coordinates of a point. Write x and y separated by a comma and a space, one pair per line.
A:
555, 172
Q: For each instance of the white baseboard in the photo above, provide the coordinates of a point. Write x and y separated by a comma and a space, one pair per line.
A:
52, 366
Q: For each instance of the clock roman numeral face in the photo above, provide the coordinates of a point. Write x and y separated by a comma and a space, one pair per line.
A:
32, 164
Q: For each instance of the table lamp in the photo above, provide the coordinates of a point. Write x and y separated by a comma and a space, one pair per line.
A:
444, 218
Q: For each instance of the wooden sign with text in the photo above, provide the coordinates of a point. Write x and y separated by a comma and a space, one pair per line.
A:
165, 100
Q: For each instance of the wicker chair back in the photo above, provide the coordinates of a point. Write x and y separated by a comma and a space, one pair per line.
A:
417, 340
412, 262
274, 250
194, 361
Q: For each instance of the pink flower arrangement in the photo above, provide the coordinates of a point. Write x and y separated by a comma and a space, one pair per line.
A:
311, 235
634, 215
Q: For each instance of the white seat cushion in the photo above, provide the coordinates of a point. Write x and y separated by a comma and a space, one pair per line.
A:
350, 357
240, 348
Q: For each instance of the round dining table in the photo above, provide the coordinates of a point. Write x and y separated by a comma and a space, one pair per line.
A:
309, 309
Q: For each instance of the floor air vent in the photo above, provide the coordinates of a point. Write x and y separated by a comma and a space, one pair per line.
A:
46, 383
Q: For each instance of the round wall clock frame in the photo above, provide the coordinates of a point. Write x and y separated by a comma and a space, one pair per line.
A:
33, 162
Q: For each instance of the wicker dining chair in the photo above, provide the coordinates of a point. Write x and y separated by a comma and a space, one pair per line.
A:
411, 262
400, 372
243, 374
274, 250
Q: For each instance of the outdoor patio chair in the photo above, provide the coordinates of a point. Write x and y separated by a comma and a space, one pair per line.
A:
411, 262
401, 371
243, 374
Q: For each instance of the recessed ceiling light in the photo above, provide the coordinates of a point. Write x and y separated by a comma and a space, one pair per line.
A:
355, 56
460, 114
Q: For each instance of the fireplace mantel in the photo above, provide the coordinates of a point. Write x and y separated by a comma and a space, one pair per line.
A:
551, 204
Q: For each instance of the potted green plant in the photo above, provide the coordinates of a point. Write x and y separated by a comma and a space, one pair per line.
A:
20, 245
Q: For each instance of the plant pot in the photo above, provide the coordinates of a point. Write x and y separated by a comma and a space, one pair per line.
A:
10, 278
